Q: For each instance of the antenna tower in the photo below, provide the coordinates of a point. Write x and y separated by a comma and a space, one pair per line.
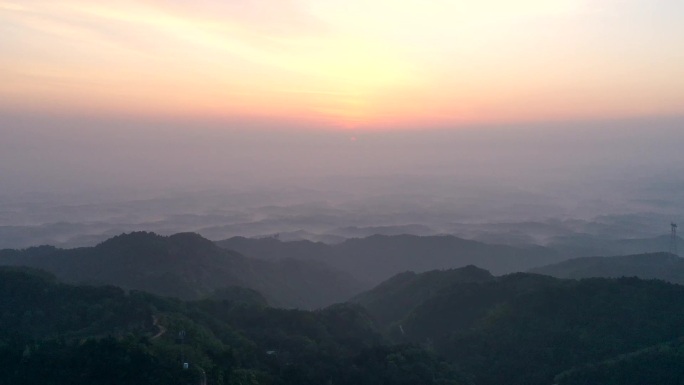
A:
673, 239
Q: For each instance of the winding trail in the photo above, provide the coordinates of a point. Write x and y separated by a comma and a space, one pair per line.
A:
203, 378
162, 329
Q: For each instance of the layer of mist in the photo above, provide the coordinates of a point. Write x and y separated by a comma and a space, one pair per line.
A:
75, 182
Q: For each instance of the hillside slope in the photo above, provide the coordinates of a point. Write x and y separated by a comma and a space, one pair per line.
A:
665, 266
525, 328
397, 297
376, 258
55, 333
587, 245
188, 266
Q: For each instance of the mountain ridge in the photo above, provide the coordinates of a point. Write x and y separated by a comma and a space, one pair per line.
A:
188, 266
660, 265
527, 329
376, 258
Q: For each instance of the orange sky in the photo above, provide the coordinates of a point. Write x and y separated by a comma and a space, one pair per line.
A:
345, 63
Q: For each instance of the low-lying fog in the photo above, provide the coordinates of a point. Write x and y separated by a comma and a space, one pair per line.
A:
76, 182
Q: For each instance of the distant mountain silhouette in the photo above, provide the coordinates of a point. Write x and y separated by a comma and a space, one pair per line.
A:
368, 231
663, 266
376, 258
188, 266
341, 234
586, 245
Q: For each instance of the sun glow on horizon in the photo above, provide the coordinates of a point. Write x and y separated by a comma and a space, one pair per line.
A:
343, 63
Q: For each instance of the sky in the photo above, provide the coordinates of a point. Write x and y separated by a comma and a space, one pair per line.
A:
344, 64
169, 95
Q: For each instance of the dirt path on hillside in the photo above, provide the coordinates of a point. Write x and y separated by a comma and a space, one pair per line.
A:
162, 329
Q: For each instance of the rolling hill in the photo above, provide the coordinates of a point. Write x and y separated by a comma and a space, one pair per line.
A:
397, 297
528, 329
665, 266
376, 258
55, 333
587, 245
188, 266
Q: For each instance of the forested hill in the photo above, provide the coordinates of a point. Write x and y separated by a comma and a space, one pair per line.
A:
658, 364
397, 297
527, 329
460, 327
665, 266
54, 333
376, 258
188, 266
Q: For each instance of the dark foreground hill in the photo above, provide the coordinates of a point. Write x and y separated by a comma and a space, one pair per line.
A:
397, 297
528, 329
54, 333
465, 327
188, 266
376, 258
659, 364
665, 266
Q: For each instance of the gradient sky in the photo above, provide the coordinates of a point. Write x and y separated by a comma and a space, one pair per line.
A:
345, 63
